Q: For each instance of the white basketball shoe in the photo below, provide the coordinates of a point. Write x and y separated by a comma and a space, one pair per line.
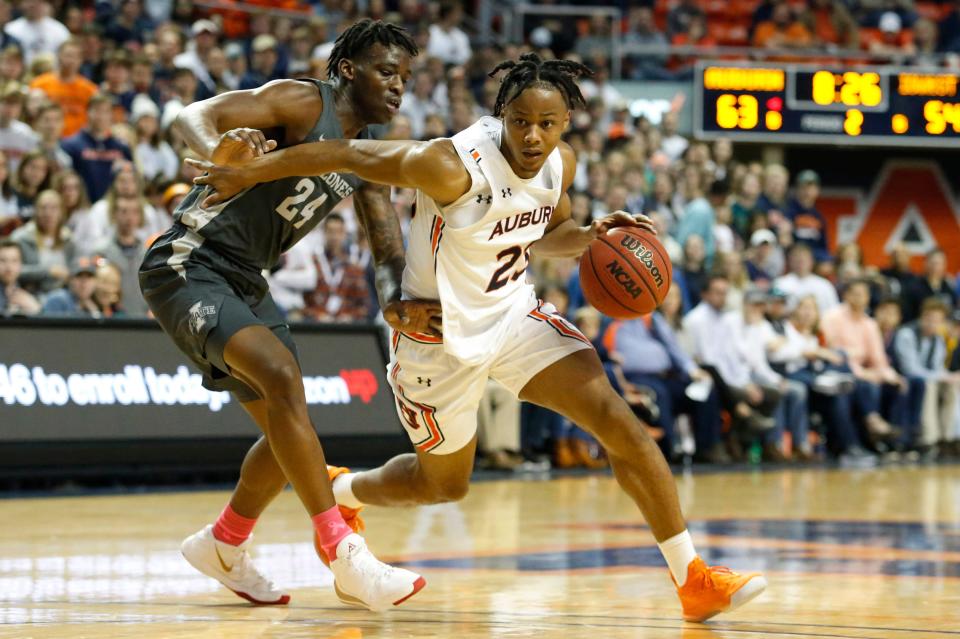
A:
231, 566
361, 579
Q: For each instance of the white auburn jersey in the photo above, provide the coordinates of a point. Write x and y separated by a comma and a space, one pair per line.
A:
472, 255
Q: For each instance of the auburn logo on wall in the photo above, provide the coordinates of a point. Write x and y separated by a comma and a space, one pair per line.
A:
909, 202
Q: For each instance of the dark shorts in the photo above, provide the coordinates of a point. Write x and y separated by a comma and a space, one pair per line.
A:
203, 307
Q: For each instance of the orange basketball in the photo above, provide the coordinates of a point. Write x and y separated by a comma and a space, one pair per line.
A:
625, 273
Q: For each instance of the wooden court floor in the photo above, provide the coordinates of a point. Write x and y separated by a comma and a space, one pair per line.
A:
849, 554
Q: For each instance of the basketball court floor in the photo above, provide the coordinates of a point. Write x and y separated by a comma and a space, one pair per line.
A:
849, 555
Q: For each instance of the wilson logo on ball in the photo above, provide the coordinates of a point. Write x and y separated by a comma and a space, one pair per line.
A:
643, 254
623, 278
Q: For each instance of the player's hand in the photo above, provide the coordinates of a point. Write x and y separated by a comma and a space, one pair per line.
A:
226, 181
621, 218
239, 146
415, 316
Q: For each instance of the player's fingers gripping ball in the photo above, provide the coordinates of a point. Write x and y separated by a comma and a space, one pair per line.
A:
625, 273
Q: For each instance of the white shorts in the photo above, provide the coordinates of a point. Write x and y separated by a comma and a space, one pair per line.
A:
437, 395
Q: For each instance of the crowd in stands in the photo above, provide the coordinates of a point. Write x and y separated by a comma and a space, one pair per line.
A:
770, 345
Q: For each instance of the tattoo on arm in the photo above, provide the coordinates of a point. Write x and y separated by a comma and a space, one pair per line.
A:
382, 226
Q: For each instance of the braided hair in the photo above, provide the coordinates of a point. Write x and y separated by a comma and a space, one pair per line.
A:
364, 34
532, 71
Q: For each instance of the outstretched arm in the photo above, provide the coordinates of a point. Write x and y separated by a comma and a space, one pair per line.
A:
225, 129
432, 167
563, 237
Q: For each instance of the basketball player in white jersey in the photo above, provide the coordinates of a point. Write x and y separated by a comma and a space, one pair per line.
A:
487, 197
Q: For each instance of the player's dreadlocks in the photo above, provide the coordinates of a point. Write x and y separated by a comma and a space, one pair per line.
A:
364, 34
532, 71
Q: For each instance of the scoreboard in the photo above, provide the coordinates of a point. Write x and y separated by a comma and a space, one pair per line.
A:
878, 106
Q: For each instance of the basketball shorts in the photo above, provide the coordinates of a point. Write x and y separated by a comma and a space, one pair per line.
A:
203, 308
437, 396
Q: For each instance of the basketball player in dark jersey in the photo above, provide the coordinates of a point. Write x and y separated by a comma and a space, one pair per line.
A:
202, 280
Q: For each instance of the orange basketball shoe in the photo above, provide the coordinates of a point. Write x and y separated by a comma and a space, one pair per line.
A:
351, 516
710, 590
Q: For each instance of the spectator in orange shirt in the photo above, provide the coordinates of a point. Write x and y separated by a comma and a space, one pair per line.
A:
67, 87
782, 30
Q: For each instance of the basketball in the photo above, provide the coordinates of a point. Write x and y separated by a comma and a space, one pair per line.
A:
625, 273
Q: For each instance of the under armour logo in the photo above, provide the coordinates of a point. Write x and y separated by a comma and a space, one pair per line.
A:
506, 192
481, 198
424, 380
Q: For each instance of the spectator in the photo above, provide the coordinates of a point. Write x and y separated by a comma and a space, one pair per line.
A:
764, 258
498, 429
36, 31
49, 126
67, 87
124, 249
127, 184
651, 357
7, 40
800, 357
773, 200
642, 31
76, 299
170, 41
782, 30
757, 338
891, 38
264, 63
197, 56
597, 42
76, 206
679, 18
808, 223
183, 91
16, 137
130, 25
746, 209
108, 290
155, 158
801, 281
14, 300
934, 282
117, 84
925, 42
716, 347
673, 144
694, 269
295, 278
141, 77
920, 351
696, 35
831, 25
949, 39
94, 150
730, 265
899, 277
46, 247
9, 217
419, 103
236, 65
341, 294
848, 328
447, 41
33, 176
698, 219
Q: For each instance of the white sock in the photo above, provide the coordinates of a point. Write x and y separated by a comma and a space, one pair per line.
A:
343, 491
679, 552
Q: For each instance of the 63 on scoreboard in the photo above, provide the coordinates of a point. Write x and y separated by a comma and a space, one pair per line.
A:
804, 104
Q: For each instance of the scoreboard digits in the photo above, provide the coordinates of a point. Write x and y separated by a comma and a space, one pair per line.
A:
806, 104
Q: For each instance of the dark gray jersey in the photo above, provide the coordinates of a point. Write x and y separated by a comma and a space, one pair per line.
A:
256, 226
